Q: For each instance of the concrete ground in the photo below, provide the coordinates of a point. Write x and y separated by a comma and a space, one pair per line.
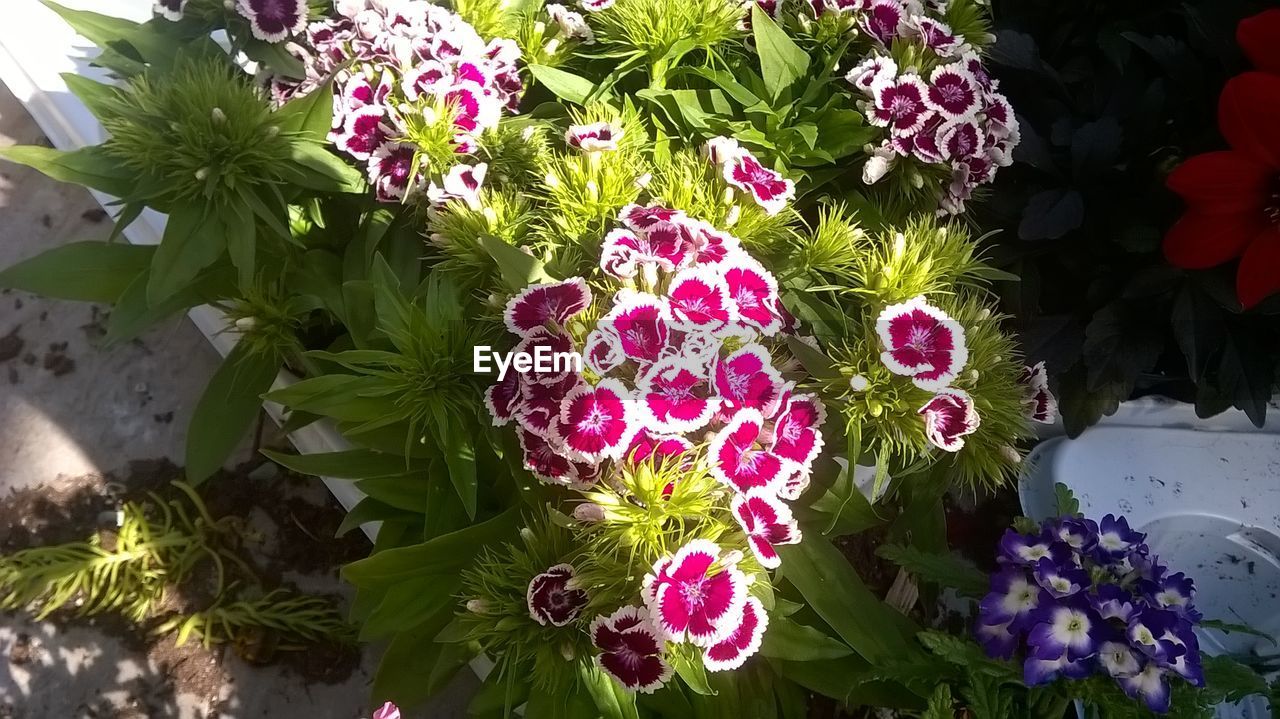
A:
72, 412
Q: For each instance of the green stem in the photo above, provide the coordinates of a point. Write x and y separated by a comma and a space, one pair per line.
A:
658, 74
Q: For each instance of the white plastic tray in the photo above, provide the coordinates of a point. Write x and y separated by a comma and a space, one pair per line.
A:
1207, 493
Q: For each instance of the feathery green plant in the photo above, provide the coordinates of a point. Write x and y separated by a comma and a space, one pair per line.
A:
198, 131
295, 619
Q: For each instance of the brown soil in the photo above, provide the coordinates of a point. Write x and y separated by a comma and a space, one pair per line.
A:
75, 508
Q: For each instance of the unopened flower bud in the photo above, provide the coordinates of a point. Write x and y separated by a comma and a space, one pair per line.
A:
490, 217
1011, 454
593, 191
731, 219
495, 300
997, 359
875, 409
527, 535
644, 180
973, 375
859, 383
539, 27
552, 45
917, 180
218, 115
244, 324
202, 174
551, 180
527, 133
588, 512
566, 651
429, 115
477, 606
728, 195
984, 313
229, 5
731, 558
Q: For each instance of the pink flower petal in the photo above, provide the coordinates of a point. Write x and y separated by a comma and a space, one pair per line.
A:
767, 187
675, 395
796, 433
699, 301
747, 379
692, 599
597, 422
742, 642
767, 523
948, 417
552, 303
630, 650
754, 292
738, 460
922, 342
641, 323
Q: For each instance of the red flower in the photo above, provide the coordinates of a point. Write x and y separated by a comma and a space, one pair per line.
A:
1258, 37
1233, 196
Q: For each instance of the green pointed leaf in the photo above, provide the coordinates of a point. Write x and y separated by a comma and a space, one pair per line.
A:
414, 667
518, 269
227, 409
782, 62
321, 170
88, 166
459, 455
565, 85
96, 96
611, 700
347, 464
797, 642
815, 362
409, 492
441, 556
241, 238
835, 591
945, 570
193, 240
366, 510
133, 314
81, 271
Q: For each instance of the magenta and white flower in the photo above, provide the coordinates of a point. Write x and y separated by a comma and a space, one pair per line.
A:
641, 323
935, 35
721, 150
544, 459
754, 292
596, 137
462, 182
953, 92
738, 457
170, 9
901, 105
959, 139
743, 642
596, 422
631, 651
394, 171
767, 523
694, 597
502, 398
922, 342
1041, 406
274, 20
572, 25
603, 351
884, 20
797, 435
698, 300
551, 303
363, 132
640, 218
746, 378
676, 395
948, 417
596, 5
873, 74
662, 245
386, 711
552, 601
768, 188
659, 448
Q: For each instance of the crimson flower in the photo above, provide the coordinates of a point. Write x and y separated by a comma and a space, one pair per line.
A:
1233, 196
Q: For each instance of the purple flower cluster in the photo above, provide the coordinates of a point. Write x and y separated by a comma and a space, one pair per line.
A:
1081, 598
399, 64
951, 116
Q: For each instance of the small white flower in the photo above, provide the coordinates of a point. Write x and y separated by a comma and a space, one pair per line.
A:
859, 383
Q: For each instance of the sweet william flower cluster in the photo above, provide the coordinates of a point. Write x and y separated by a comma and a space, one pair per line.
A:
951, 115
1082, 598
415, 87
269, 20
678, 372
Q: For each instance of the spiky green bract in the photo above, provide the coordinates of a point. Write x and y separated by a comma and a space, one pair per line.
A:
655, 27
456, 232
854, 275
496, 618
641, 525
582, 192
268, 317
686, 180
200, 130
490, 18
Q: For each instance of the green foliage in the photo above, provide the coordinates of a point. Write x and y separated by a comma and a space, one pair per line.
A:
295, 622
227, 408
84, 271
945, 570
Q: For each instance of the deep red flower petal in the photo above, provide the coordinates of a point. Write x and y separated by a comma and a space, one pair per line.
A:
1259, 274
1249, 115
1259, 36
1200, 240
1224, 181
